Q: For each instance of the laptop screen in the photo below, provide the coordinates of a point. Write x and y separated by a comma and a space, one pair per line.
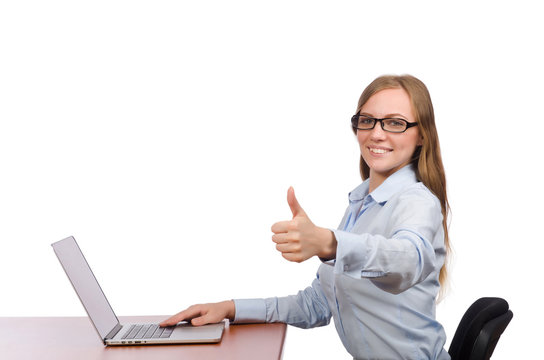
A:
87, 288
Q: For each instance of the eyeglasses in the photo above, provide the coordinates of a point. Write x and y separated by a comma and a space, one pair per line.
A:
394, 125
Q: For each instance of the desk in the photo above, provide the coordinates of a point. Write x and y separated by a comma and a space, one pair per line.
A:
74, 338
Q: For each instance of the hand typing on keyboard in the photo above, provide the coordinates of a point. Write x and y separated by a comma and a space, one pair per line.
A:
203, 314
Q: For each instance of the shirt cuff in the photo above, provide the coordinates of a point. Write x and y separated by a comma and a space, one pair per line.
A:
249, 311
351, 254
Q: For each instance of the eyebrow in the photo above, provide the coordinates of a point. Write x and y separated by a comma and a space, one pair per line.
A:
387, 116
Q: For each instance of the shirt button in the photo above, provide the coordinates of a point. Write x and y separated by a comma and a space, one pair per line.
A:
346, 268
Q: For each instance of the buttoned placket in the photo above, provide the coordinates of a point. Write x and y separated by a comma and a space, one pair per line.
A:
357, 211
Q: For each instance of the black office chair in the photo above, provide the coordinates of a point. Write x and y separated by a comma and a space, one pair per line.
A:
480, 329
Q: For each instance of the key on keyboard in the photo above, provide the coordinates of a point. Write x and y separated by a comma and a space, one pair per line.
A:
148, 331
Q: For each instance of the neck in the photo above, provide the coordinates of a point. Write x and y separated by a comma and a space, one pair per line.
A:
377, 178
374, 181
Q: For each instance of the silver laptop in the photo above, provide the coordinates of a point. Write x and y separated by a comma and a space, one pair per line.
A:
104, 319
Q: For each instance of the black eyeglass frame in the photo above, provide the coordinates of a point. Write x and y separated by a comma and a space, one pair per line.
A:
355, 120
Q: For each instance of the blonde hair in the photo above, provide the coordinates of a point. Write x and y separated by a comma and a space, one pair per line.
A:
426, 159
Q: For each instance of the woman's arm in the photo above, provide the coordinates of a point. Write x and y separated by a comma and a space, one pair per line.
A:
409, 247
307, 309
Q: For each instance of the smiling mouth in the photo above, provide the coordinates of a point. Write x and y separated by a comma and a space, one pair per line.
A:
378, 151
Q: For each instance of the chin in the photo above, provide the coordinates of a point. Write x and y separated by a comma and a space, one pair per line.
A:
384, 169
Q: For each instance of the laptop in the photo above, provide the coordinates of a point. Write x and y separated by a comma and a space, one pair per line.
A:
105, 321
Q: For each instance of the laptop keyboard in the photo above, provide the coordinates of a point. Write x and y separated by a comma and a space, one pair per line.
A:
148, 331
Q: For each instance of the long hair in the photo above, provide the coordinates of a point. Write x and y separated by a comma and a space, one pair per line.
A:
426, 159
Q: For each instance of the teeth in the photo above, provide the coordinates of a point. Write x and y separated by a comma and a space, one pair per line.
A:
378, 151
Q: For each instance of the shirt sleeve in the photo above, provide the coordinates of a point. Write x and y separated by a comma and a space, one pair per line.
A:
307, 309
405, 255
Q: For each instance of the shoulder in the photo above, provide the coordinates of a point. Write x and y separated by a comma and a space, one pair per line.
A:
416, 192
415, 208
416, 200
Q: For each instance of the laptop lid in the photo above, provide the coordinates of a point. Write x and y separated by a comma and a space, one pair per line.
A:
86, 286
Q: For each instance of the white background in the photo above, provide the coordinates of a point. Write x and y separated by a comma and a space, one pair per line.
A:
167, 133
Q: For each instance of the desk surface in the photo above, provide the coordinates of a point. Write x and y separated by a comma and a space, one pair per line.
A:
75, 338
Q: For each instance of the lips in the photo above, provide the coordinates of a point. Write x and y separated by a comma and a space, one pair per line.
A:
379, 150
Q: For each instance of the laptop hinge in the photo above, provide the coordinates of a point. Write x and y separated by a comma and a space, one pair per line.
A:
113, 332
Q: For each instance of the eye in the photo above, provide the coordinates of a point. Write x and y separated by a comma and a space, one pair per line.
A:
363, 120
395, 123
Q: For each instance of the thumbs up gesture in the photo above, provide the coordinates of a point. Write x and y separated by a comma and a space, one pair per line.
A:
299, 239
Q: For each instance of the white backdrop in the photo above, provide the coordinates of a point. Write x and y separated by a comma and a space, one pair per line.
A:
167, 133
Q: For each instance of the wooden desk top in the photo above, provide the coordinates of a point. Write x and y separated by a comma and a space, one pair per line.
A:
74, 338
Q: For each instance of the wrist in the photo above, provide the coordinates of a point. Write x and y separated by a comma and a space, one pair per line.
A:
328, 241
230, 310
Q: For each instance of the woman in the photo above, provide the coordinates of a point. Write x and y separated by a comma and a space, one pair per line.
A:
383, 267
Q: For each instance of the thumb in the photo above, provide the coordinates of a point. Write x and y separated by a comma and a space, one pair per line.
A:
296, 209
201, 320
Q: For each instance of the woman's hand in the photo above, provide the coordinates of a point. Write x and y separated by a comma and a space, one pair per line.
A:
299, 239
203, 314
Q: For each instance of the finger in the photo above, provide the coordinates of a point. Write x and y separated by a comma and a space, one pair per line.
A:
296, 209
280, 227
294, 257
173, 320
288, 248
279, 238
213, 313
186, 314
202, 320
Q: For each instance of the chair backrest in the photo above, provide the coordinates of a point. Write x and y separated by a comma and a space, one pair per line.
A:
480, 329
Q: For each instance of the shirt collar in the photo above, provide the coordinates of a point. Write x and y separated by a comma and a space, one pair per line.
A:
403, 177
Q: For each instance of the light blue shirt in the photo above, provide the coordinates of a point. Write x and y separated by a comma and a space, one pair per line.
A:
381, 289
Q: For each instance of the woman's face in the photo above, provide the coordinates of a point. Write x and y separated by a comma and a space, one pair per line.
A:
385, 152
